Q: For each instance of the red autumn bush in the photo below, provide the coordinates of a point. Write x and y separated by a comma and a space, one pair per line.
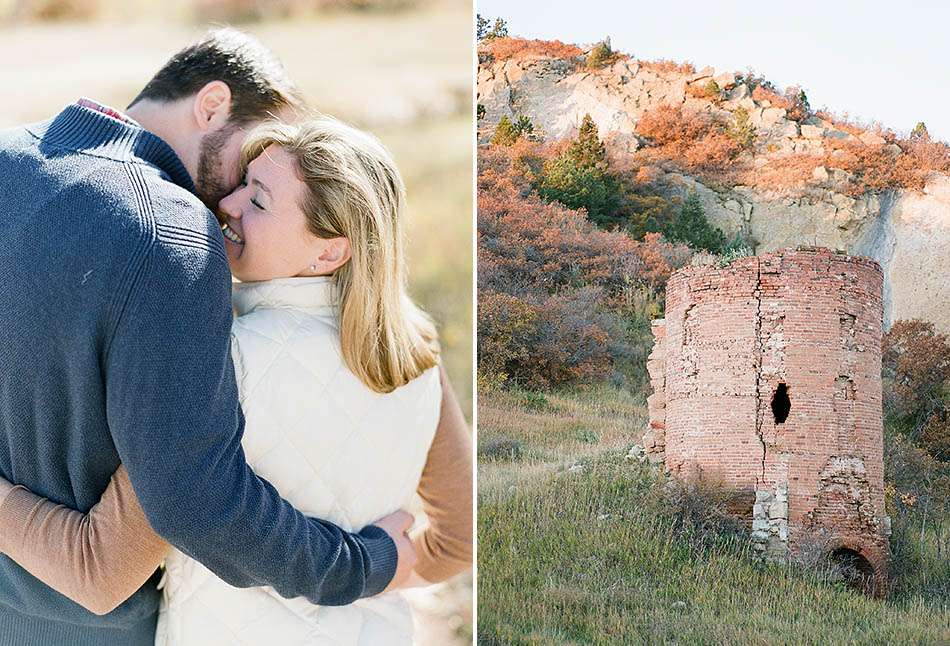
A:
916, 368
879, 167
502, 49
691, 140
664, 66
790, 172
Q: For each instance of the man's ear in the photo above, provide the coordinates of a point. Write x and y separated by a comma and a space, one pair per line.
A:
212, 106
335, 254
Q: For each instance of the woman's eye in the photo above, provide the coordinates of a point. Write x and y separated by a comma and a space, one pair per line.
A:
257, 204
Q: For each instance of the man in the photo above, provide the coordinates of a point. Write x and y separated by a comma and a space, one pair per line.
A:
116, 313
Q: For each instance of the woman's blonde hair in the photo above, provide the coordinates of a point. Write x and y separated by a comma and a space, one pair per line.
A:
354, 190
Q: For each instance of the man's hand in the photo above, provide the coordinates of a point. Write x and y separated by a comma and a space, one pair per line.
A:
397, 525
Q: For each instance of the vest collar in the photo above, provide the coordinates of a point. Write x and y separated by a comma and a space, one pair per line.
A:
310, 294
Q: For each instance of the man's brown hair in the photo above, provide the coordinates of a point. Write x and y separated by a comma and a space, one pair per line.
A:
259, 84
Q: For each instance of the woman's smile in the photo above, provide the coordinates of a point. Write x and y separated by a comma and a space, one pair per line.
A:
231, 234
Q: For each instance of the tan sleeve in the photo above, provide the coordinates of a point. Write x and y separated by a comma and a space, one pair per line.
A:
97, 559
444, 544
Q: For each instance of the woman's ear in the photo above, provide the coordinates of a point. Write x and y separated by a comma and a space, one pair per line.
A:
334, 253
212, 106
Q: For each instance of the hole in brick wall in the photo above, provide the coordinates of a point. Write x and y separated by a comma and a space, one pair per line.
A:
781, 404
853, 568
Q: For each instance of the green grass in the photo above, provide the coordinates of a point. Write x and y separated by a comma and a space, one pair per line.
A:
592, 554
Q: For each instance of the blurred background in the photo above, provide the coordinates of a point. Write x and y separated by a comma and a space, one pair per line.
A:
399, 68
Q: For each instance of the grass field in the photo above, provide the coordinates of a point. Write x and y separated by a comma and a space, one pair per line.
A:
578, 546
405, 76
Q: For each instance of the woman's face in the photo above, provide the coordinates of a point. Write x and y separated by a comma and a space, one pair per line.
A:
265, 231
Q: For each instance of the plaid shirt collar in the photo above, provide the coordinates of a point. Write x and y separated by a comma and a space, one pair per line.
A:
106, 110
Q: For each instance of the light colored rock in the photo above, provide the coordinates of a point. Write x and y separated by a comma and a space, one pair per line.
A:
820, 174
778, 510
837, 134
739, 92
872, 139
812, 132
785, 128
771, 116
726, 80
762, 496
893, 150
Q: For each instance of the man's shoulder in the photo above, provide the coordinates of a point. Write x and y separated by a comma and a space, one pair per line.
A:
180, 218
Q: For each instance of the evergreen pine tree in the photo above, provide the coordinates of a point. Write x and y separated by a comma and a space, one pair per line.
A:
505, 133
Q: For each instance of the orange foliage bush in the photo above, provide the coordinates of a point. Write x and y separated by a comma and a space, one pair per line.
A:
663, 66
502, 49
762, 93
880, 167
552, 286
690, 140
785, 172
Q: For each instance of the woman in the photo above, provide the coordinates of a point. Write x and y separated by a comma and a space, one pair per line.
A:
340, 387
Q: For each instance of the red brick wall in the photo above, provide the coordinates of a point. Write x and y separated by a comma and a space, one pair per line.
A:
808, 318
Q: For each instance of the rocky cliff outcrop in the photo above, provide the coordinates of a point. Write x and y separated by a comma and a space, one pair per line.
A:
906, 231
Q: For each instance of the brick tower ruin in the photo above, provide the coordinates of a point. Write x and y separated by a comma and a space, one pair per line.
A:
767, 379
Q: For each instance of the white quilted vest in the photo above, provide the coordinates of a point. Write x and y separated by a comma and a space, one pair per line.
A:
332, 447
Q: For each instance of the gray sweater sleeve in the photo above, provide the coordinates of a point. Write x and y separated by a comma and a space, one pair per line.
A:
172, 407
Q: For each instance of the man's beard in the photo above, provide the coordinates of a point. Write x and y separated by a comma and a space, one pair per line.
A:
210, 182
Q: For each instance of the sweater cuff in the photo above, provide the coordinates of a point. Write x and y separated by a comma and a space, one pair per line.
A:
15, 508
382, 555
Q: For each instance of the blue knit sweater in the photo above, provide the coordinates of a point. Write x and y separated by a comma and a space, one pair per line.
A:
115, 310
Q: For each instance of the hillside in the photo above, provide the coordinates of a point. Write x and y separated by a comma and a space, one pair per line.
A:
800, 176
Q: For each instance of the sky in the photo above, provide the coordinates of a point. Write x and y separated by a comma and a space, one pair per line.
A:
874, 61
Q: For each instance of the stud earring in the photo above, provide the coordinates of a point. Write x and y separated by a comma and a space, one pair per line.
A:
313, 267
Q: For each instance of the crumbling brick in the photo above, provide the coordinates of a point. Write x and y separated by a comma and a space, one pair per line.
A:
767, 377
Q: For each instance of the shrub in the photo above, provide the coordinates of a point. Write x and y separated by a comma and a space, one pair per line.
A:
498, 30
917, 498
739, 247
692, 228
523, 125
580, 187
742, 131
505, 334
560, 301
600, 55
578, 178
501, 49
712, 90
935, 435
481, 26
691, 140
916, 367
919, 133
507, 133
499, 448
479, 112
916, 380
664, 66
797, 107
